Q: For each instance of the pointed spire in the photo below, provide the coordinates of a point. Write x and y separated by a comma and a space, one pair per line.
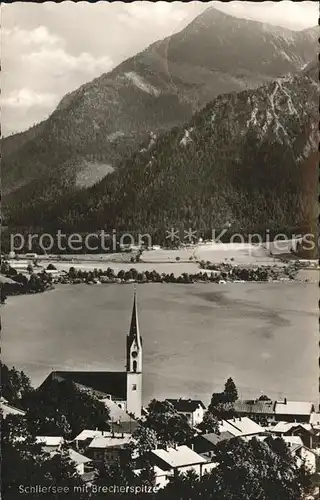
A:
134, 332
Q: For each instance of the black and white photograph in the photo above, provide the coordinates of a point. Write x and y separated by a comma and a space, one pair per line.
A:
159, 263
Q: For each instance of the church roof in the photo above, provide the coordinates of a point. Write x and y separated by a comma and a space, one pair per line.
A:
101, 382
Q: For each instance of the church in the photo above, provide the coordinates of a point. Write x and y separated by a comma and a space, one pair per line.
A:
123, 388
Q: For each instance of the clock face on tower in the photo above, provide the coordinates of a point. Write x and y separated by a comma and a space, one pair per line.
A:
134, 354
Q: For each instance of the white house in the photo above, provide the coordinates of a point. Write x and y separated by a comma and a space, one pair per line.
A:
192, 409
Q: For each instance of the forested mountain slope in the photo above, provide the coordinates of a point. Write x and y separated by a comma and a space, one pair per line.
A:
101, 123
247, 158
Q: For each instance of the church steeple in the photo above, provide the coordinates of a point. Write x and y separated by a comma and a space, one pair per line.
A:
134, 341
134, 332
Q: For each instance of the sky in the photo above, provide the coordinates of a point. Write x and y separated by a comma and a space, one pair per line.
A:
50, 49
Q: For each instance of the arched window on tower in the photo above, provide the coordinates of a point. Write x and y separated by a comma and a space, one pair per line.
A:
134, 364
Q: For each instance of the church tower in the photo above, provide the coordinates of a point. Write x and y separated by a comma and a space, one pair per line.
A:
134, 363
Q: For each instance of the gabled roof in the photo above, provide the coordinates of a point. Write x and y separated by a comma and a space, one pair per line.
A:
116, 414
50, 440
214, 438
92, 434
243, 426
8, 409
186, 405
88, 434
293, 408
254, 406
100, 382
104, 442
77, 457
294, 447
283, 427
127, 427
120, 420
179, 456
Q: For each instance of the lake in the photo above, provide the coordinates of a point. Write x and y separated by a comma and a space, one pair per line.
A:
265, 336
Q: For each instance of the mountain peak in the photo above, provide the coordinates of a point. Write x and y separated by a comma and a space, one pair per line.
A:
105, 121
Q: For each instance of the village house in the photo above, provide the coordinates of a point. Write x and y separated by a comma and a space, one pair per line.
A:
81, 463
302, 453
86, 436
8, 409
162, 477
269, 412
120, 420
293, 411
241, 427
108, 448
192, 409
205, 444
304, 431
50, 443
180, 459
259, 410
55, 274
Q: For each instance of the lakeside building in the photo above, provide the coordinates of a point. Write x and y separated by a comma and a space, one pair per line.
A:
123, 388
